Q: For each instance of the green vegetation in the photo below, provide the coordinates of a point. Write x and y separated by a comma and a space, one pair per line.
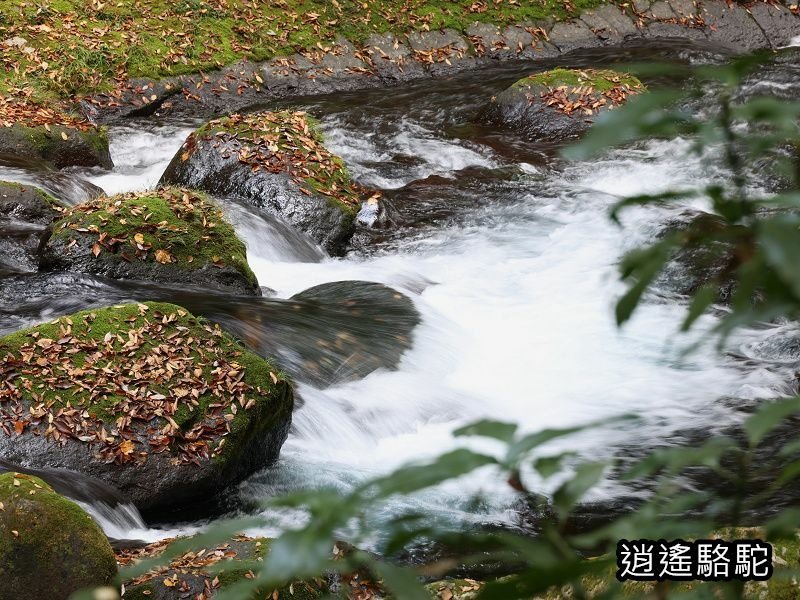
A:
49, 546
12, 188
170, 226
289, 142
74, 48
111, 368
601, 80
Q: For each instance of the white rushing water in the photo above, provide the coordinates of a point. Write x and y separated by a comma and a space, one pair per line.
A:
517, 320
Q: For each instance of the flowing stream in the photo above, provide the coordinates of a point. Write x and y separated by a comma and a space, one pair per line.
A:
510, 257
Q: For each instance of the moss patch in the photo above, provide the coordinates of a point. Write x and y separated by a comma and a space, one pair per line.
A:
601, 80
169, 226
12, 188
579, 91
49, 546
286, 142
135, 379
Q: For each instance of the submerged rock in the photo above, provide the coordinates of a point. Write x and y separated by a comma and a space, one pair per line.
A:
25, 213
49, 547
79, 146
328, 334
560, 103
169, 235
275, 161
147, 398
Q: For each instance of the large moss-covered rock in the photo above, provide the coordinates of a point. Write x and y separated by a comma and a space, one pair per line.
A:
163, 406
560, 103
49, 547
276, 161
25, 213
61, 145
170, 235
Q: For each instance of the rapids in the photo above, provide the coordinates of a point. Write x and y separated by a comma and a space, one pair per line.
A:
511, 259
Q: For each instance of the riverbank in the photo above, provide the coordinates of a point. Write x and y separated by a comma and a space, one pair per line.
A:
72, 64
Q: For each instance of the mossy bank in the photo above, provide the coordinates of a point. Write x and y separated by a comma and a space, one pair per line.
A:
164, 406
169, 235
49, 547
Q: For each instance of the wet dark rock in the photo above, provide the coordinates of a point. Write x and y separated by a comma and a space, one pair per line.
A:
50, 547
696, 265
573, 35
27, 204
166, 441
777, 22
169, 235
331, 333
610, 24
80, 148
535, 105
213, 160
25, 214
68, 188
733, 27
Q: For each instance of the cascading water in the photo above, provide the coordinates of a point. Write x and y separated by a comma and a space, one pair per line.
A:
511, 260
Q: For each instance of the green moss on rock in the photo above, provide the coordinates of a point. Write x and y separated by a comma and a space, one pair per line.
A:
61, 145
152, 370
601, 80
172, 229
49, 547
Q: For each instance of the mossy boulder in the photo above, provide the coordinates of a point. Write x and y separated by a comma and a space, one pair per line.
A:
63, 146
25, 213
276, 161
49, 547
560, 103
169, 235
163, 406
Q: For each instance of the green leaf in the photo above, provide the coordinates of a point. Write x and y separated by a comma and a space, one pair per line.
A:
644, 266
769, 416
547, 466
402, 582
780, 239
585, 477
416, 477
487, 428
703, 298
